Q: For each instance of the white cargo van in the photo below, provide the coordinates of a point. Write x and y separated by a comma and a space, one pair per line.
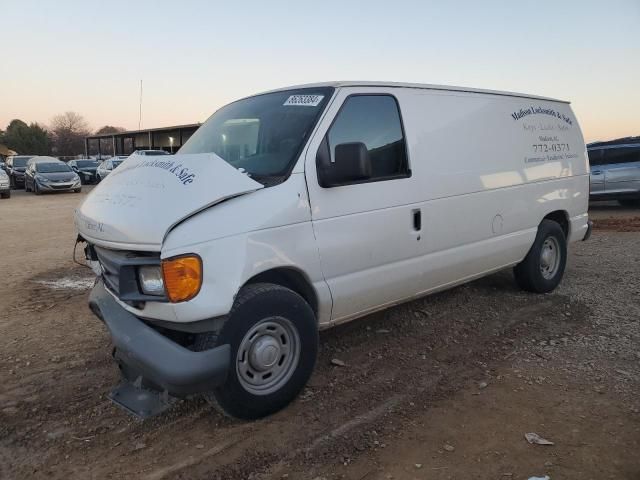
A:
298, 209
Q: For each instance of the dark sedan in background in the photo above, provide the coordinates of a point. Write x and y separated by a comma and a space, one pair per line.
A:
47, 174
86, 169
16, 165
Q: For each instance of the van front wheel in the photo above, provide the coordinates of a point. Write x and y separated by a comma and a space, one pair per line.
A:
543, 267
274, 343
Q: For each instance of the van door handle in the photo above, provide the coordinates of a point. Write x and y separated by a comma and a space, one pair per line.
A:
417, 219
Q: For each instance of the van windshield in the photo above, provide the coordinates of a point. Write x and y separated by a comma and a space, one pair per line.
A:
263, 134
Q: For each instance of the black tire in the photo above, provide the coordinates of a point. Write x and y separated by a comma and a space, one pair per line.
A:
77, 190
253, 304
630, 203
529, 273
6, 194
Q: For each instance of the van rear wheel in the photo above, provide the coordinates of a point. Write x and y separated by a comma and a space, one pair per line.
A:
543, 267
273, 336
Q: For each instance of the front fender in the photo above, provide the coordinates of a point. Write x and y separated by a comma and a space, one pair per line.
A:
243, 237
228, 263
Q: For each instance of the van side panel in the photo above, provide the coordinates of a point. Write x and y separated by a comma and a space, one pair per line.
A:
486, 169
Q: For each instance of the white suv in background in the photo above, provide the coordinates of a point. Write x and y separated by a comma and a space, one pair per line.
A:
106, 167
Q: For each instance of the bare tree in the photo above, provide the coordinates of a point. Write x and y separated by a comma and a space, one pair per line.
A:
109, 129
106, 145
68, 132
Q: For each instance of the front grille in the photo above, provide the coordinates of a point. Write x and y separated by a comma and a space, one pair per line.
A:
120, 272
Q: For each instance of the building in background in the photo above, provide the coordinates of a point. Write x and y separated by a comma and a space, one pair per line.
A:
169, 139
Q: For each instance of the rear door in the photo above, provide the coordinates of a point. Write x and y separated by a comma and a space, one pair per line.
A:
622, 172
366, 231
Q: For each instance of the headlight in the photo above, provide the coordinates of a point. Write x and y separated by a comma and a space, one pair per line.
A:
151, 281
182, 277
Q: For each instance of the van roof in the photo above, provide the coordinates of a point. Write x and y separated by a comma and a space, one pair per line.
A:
424, 86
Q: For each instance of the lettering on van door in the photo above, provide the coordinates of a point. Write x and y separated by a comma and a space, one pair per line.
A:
547, 140
523, 112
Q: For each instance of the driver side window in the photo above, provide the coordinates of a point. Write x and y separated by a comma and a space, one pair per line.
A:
373, 120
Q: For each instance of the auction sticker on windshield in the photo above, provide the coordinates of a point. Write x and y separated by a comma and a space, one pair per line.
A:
304, 100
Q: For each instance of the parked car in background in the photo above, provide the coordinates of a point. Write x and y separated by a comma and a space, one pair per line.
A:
5, 186
120, 158
48, 174
303, 208
106, 167
86, 169
150, 152
3, 166
16, 165
615, 170
41, 158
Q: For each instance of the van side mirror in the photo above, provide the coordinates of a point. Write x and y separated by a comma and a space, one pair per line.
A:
351, 164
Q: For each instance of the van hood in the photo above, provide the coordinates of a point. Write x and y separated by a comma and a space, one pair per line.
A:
140, 201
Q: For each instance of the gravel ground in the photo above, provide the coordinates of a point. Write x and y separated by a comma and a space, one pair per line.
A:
441, 388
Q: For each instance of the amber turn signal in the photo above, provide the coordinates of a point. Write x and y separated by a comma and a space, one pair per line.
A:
182, 277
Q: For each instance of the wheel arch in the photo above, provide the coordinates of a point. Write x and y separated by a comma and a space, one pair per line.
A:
292, 278
561, 217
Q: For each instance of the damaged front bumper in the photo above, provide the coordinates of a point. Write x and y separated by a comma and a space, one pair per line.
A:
155, 368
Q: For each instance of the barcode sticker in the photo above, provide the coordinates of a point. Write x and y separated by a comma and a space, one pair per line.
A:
304, 100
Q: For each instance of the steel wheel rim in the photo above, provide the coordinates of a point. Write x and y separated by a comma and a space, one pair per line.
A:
268, 355
550, 258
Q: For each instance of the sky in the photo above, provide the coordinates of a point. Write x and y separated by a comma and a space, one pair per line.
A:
195, 56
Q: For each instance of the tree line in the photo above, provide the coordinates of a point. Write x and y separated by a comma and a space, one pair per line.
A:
63, 137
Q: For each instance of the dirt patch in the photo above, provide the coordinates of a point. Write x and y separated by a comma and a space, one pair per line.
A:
473, 368
631, 224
